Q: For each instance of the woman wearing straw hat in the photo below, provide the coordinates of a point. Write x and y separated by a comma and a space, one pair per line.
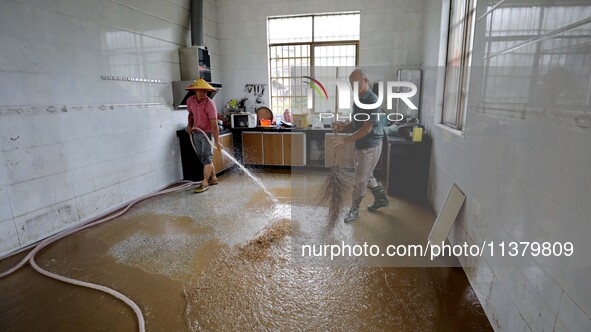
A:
203, 115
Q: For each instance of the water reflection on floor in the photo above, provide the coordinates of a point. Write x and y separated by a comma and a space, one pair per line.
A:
221, 260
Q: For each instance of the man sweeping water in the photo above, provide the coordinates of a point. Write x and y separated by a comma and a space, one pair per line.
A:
368, 137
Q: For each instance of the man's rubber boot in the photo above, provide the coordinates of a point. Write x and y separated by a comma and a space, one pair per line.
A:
354, 211
380, 198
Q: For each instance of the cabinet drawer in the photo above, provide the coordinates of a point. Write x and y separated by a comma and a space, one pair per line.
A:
252, 148
294, 149
273, 148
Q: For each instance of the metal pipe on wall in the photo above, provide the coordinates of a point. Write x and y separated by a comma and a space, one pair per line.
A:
197, 22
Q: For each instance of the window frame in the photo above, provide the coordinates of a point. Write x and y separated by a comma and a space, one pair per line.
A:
312, 45
466, 50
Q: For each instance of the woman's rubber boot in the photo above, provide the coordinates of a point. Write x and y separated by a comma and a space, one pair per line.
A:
380, 198
354, 211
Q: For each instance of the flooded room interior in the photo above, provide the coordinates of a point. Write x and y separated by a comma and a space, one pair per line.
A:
225, 165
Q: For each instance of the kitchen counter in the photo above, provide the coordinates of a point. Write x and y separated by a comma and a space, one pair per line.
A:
279, 130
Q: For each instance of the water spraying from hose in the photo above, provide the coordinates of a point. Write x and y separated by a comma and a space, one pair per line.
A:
242, 167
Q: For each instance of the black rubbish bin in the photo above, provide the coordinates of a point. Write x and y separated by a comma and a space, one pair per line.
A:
192, 166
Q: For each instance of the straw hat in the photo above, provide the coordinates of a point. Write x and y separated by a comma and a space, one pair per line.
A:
200, 84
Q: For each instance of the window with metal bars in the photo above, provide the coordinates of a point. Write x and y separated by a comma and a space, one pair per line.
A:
300, 46
553, 70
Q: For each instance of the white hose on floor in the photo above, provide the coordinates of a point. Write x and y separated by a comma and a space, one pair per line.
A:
104, 217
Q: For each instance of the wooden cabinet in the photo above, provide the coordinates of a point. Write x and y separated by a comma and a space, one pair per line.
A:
217, 160
252, 148
345, 153
221, 162
294, 149
273, 148
228, 143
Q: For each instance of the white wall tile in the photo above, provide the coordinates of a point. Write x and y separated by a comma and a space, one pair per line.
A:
506, 316
571, 316
8, 237
29, 196
28, 163
577, 284
95, 202
5, 208
166, 175
136, 187
37, 225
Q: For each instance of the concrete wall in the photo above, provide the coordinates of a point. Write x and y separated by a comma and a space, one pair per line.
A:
73, 144
390, 35
525, 167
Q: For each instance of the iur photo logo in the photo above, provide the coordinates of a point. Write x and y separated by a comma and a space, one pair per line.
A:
316, 85
392, 91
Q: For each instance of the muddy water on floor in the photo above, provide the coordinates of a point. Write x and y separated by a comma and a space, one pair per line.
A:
191, 262
271, 293
267, 291
149, 258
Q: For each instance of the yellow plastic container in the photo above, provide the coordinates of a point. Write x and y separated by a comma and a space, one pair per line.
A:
417, 134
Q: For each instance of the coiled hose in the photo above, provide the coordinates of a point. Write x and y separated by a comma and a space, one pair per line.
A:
103, 217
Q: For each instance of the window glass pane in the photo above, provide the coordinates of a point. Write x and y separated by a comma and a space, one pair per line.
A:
326, 60
287, 69
456, 33
450, 107
334, 55
456, 73
290, 29
336, 27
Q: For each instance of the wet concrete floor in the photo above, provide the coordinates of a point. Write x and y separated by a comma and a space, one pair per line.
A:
222, 260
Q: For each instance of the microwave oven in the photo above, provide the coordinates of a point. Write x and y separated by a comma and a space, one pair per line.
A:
243, 120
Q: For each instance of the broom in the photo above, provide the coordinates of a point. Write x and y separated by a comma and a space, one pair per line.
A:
336, 186
334, 192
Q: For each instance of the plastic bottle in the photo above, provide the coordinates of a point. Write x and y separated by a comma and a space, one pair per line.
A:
287, 115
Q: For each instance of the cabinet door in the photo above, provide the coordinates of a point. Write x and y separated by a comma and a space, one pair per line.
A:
252, 148
218, 162
294, 149
345, 153
273, 148
228, 143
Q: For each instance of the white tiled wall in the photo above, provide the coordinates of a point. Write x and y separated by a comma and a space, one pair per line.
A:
73, 145
525, 171
390, 35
